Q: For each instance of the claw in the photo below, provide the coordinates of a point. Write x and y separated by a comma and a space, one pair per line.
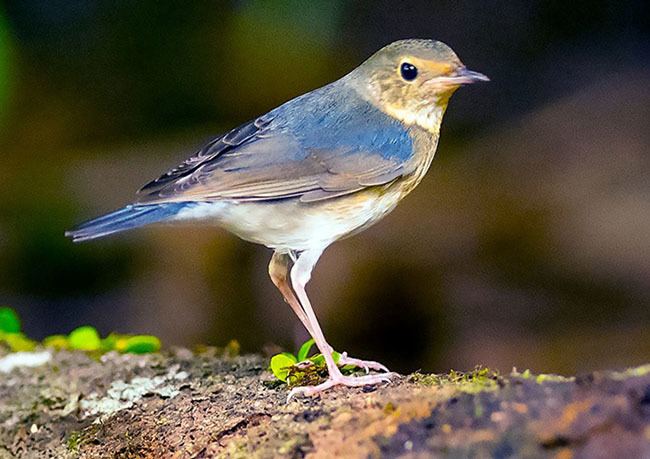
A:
349, 381
367, 365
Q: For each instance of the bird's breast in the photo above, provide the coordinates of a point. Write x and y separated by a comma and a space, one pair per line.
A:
425, 144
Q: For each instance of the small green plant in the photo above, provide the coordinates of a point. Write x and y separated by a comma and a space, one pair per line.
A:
85, 338
137, 344
301, 369
281, 364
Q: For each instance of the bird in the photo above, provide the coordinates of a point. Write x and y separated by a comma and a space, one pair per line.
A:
318, 168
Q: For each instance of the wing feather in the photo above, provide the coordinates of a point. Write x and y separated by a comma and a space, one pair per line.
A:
280, 156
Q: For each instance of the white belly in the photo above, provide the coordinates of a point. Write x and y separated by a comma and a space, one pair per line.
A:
292, 225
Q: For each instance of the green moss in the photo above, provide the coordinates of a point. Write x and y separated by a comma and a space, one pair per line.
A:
78, 438
17, 342
527, 374
74, 441
57, 342
631, 372
478, 380
552, 378
425, 379
541, 378
306, 373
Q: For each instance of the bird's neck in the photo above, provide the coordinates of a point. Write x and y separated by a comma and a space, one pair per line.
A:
427, 117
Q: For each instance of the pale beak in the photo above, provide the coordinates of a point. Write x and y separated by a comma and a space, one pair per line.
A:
465, 76
461, 76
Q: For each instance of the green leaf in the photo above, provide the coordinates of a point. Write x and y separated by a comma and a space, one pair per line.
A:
84, 338
9, 321
280, 364
319, 360
142, 344
303, 353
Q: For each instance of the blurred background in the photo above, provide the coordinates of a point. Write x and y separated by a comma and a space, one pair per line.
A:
526, 245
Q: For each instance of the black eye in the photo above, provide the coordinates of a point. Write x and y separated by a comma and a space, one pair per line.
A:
408, 71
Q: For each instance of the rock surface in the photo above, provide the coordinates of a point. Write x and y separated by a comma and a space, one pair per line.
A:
186, 405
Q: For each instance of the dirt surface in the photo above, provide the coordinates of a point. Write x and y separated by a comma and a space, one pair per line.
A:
185, 405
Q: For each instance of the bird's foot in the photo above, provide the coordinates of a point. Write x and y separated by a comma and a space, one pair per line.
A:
366, 365
339, 379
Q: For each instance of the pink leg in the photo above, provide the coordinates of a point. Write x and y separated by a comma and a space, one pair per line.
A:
279, 272
300, 276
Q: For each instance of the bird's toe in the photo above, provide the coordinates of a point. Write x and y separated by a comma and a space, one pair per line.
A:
367, 365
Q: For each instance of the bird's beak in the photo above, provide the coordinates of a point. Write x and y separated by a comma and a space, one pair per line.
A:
461, 76
465, 76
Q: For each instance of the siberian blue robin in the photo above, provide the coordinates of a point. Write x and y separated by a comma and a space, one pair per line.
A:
316, 169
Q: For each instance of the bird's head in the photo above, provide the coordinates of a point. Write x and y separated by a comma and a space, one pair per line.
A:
412, 80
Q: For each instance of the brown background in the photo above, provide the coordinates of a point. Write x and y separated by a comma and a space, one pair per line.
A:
526, 245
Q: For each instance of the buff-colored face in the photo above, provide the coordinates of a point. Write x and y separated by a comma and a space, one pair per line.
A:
412, 80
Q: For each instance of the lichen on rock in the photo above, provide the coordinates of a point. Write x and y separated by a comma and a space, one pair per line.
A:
122, 395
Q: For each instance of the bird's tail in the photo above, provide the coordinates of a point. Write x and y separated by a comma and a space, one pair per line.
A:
129, 217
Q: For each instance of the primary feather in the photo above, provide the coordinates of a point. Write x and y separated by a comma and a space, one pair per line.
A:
124, 219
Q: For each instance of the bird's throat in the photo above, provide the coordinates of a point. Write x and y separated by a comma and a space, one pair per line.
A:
428, 117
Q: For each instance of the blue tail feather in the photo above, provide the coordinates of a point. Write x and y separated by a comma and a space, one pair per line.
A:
129, 217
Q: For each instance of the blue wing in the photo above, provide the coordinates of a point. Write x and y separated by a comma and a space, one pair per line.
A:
324, 144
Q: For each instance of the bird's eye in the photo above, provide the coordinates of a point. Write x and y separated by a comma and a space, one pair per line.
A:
408, 71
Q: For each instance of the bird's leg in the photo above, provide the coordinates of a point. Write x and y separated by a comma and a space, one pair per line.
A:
279, 272
279, 268
300, 276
